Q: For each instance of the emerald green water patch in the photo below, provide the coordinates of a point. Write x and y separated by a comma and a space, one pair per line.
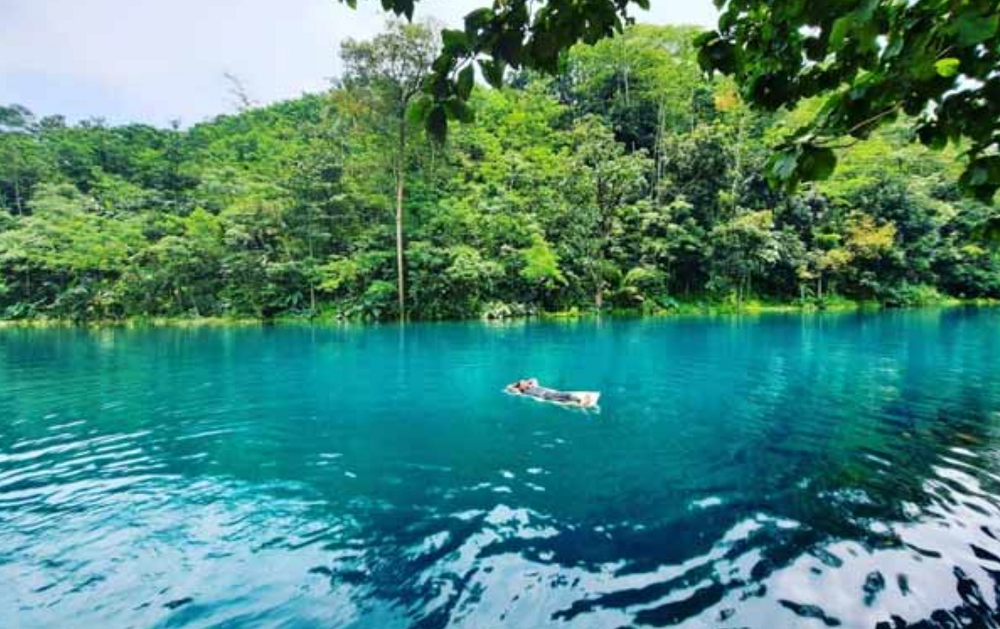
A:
761, 471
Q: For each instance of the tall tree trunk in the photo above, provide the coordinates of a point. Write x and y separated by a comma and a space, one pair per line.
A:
312, 262
624, 69
194, 305
658, 152
738, 164
17, 197
400, 286
400, 177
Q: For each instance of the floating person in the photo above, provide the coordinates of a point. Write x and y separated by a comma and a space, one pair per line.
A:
529, 387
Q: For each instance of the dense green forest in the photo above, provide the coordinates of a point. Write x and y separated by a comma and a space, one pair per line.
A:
628, 180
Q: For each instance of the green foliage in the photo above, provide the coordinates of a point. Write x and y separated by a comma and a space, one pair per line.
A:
338, 274
912, 295
378, 301
645, 288
627, 180
541, 264
66, 238
872, 61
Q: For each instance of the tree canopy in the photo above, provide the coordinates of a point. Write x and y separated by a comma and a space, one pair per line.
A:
935, 61
872, 61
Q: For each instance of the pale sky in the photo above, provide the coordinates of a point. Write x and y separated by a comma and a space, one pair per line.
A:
154, 61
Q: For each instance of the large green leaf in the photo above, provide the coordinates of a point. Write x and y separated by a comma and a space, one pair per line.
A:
816, 162
947, 67
973, 29
418, 109
436, 123
459, 110
493, 71
455, 42
466, 80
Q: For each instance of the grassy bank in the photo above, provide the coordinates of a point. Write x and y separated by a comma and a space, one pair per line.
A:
132, 322
755, 307
680, 308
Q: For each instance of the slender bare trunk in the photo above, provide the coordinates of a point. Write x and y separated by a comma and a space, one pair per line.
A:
625, 70
312, 261
401, 289
657, 152
17, 198
400, 177
194, 305
738, 164
20, 213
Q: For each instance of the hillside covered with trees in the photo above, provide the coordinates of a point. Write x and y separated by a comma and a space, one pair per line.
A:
628, 180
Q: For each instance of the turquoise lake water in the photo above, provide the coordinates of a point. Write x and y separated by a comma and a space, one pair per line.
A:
777, 471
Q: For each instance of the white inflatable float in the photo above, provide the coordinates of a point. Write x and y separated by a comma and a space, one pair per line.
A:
573, 399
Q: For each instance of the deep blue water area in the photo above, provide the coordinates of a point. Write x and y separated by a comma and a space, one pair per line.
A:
772, 471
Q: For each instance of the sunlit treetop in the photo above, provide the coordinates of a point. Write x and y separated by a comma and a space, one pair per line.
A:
936, 61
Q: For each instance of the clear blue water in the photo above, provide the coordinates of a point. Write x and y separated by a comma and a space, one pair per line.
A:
780, 471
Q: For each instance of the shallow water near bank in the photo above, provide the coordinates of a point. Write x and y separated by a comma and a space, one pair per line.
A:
775, 471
